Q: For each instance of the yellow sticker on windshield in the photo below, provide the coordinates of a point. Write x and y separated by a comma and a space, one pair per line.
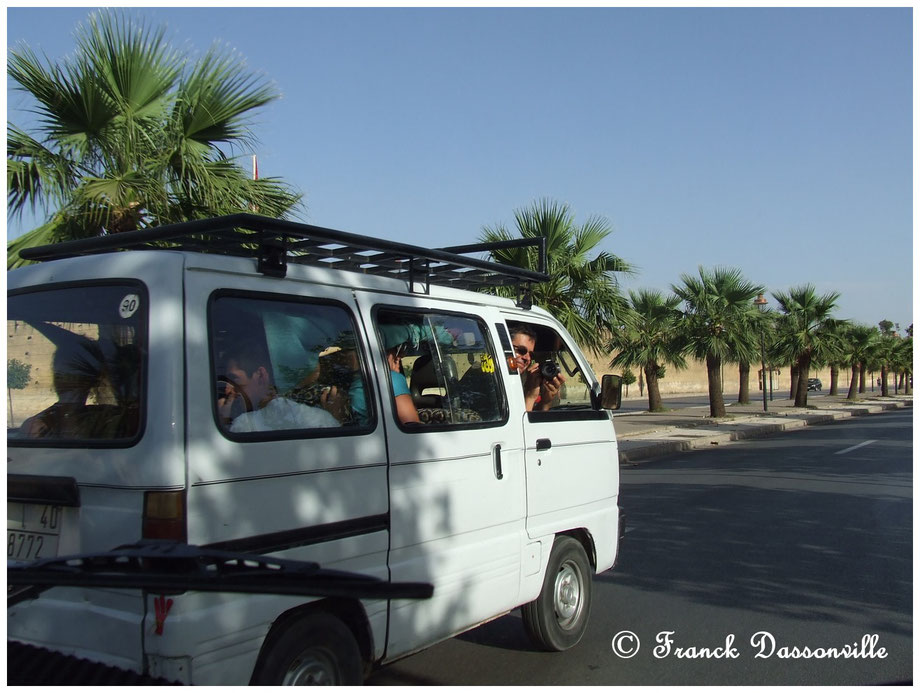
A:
488, 365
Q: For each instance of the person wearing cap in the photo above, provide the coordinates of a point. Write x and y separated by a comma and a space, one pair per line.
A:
395, 342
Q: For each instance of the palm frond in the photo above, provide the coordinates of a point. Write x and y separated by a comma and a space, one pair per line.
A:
129, 134
132, 63
582, 291
34, 173
49, 232
218, 96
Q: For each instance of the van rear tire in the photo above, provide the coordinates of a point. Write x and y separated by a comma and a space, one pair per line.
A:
558, 618
318, 649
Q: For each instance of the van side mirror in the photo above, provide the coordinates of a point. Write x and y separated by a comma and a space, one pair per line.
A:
611, 391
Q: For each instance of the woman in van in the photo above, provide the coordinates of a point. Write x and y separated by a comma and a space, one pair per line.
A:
396, 338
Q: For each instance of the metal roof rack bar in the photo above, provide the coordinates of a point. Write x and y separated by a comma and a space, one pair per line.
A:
277, 242
539, 241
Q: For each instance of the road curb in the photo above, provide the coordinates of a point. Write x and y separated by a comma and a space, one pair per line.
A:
668, 440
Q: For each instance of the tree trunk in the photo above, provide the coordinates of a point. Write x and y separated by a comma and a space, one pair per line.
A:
714, 374
862, 378
744, 376
835, 376
884, 380
801, 392
854, 382
651, 383
907, 378
793, 381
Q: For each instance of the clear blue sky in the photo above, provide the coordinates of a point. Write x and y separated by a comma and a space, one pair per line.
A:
777, 141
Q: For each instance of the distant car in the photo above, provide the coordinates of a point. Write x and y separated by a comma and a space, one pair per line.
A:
814, 385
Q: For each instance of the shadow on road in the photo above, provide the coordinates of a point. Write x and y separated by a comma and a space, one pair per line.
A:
799, 537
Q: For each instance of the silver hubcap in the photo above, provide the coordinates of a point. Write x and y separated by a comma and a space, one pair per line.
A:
312, 668
568, 602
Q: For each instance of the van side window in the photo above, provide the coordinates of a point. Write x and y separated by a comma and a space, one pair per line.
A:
449, 364
75, 363
280, 365
541, 355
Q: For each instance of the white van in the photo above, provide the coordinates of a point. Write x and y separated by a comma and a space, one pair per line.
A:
238, 385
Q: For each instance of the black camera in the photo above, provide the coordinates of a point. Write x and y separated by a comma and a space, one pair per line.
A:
549, 369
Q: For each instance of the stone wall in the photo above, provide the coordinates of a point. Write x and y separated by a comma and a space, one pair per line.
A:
693, 379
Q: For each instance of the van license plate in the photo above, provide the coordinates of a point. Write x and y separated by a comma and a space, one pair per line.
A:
32, 531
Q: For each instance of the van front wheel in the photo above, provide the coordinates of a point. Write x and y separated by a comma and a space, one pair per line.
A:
557, 619
316, 650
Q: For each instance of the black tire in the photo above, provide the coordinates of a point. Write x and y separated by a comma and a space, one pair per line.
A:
558, 618
318, 649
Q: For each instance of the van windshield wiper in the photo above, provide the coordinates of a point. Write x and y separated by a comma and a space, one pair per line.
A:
166, 566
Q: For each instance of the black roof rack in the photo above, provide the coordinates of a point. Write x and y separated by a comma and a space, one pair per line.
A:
277, 243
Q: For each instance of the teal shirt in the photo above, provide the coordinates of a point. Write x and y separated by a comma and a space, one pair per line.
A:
400, 384
358, 399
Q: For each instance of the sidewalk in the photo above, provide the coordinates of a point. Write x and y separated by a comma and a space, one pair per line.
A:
646, 435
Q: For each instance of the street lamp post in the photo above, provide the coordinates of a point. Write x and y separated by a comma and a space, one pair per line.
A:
761, 303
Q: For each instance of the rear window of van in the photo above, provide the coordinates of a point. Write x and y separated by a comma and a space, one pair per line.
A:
75, 361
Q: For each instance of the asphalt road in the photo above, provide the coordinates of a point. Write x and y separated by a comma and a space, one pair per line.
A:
805, 537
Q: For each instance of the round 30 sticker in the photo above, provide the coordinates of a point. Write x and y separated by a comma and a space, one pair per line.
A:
129, 305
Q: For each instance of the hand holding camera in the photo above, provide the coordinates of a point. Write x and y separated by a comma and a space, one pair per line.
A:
542, 384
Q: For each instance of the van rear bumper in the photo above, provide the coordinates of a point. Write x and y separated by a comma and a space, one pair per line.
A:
69, 619
28, 665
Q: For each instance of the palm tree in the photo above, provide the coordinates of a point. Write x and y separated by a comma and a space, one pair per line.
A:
839, 357
903, 362
582, 291
857, 342
650, 339
866, 347
807, 332
754, 324
887, 352
713, 326
131, 134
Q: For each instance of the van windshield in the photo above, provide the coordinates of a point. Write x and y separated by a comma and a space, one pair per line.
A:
74, 364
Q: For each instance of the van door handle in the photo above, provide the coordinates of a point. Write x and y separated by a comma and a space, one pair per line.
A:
497, 461
544, 444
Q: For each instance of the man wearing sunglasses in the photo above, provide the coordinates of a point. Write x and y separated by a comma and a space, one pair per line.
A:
539, 393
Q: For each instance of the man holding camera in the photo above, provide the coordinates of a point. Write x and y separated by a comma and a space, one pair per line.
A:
542, 385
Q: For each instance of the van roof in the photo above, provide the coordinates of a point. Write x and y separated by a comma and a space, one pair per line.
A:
277, 243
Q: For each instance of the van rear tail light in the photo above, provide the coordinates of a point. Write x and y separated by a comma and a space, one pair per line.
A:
164, 515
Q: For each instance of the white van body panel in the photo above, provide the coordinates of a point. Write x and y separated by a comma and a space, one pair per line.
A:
582, 446
295, 486
440, 483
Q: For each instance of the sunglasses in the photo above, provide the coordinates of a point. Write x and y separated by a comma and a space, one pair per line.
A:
522, 351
